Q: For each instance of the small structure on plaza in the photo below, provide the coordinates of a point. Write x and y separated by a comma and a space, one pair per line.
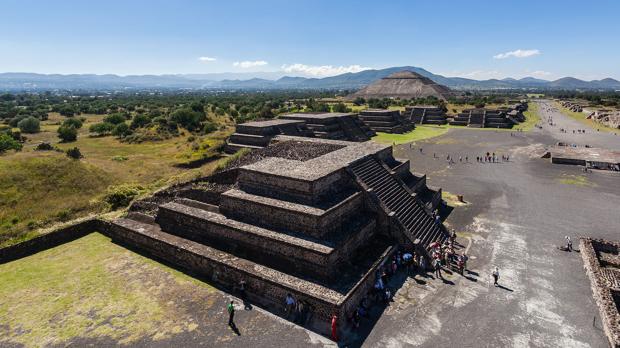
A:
318, 219
388, 121
601, 259
328, 125
404, 85
589, 157
608, 118
422, 114
483, 118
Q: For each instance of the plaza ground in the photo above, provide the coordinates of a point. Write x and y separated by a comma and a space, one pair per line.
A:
518, 212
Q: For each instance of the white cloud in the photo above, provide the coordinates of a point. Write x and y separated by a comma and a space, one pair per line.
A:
517, 54
207, 59
250, 64
476, 74
322, 70
540, 73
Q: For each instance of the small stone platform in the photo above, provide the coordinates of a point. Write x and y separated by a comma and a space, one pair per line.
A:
388, 121
601, 260
425, 114
590, 157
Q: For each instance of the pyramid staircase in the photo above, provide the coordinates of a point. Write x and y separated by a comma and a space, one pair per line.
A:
395, 197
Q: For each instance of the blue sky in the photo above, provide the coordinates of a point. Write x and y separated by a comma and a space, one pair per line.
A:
476, 39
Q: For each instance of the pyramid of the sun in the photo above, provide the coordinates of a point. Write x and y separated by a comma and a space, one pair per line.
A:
404, 85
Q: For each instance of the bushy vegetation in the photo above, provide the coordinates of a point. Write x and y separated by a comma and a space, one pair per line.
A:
29, 124
120, 196
74, 153
67, 133
8, 143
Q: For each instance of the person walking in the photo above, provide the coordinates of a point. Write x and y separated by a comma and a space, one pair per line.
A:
335, 328
231, 313
495, 275
437, 264
290, 304
569, 243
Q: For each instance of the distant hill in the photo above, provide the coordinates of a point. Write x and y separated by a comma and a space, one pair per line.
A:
31, 81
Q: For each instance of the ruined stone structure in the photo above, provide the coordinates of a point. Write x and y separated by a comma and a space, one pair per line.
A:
388, 121
483, 118
328, 125
315, 218
601, 259
334, 125
590, 157
404, 85
572, 106
421, 114
258, 134
608, 118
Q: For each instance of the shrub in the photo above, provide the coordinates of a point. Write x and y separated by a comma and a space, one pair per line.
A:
8, 143
187, 118
116, 118
140, 121
67, 133
340, 107
73, 122
44, 146
209, 127
15, 120
119, 158
121, 195
121, 130
74, 153
101, 129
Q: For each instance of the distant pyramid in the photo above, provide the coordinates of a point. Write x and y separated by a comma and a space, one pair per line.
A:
404, 85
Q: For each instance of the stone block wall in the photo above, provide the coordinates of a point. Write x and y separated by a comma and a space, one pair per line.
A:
290, 216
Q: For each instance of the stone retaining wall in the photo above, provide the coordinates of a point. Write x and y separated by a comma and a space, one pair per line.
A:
293, 217
602, 293
51, 239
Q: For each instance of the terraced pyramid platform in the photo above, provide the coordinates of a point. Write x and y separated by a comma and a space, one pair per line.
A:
318, 224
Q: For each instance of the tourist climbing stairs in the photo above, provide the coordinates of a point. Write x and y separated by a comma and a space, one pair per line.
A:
393, 194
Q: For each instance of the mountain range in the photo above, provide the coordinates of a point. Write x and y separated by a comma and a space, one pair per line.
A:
271, 80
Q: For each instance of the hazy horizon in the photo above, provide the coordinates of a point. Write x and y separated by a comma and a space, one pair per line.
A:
513, 39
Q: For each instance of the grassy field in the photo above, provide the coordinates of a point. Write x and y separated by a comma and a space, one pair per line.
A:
93, 289
419, 133
532, 117
581, 117
38, 188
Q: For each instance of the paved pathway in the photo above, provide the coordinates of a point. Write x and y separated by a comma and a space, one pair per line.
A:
520, 212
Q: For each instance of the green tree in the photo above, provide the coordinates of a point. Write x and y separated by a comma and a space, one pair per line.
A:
140, 121
359, 101
115, 118
340, 107
101, 129
121, 130
67, 133
29, 125
73, 122
187, 118
8, 143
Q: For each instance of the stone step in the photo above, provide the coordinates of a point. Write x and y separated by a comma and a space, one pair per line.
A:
249, 139
265, 286
232, 147
311, 220
408, 210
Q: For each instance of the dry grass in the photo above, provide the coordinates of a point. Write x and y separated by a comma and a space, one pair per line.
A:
93, 288
39, 188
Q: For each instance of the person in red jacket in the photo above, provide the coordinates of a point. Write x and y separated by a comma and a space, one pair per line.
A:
335, 328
